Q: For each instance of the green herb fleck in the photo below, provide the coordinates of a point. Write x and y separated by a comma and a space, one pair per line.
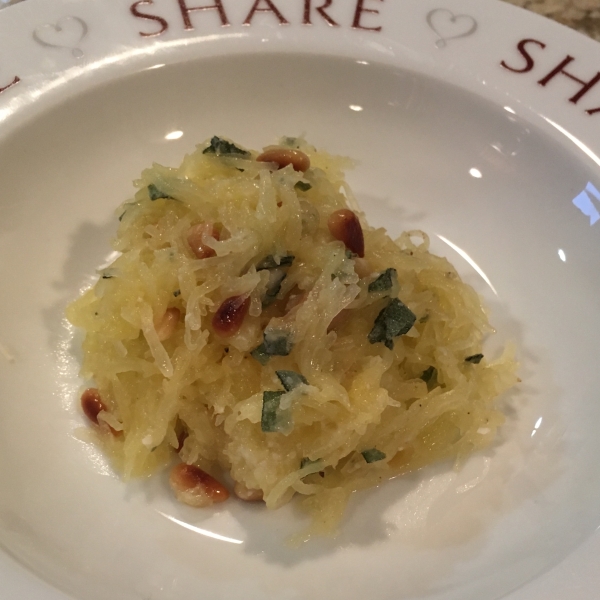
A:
105, 276
276, 277
269, 262
474, 359
424, 318
221, 147
305, 462
261, 355
350, 254
373, 455
394, 320
121, 217
384, 282
156, 194
277, 343
177, 293
302, 186
268, 420
428, 374
291, 379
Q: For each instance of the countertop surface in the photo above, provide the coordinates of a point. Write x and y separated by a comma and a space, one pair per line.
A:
582, 15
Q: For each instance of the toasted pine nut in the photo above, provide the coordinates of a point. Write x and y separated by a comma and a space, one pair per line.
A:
344, 226
196, 243
230, 315
167, 325
195, 487
92, 404
284, 157
247, 494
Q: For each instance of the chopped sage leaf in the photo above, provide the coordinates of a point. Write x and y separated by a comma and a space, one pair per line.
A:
475, 359
261, 355
268, 299
373, 455
222, 147
156, 194
177, 293
277, 343
276, 277
302, 186
429, 374
424, 319
394, 320
269, 262
268, 420
384, 282
290, 379
286, 261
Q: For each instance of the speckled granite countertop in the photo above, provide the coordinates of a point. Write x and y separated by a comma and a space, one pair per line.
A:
582, 15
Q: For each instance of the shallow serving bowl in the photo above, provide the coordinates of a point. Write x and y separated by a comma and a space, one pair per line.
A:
472, 120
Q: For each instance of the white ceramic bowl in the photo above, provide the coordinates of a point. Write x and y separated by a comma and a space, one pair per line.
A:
458, 113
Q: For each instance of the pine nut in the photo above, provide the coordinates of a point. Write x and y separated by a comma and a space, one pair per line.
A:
283, 157
230, 315
92, 404
195, 241
195, 487
344, 226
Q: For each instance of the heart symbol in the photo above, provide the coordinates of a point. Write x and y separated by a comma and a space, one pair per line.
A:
67, 33
449, 26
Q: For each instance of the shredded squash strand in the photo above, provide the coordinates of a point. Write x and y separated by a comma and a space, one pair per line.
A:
377, 351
